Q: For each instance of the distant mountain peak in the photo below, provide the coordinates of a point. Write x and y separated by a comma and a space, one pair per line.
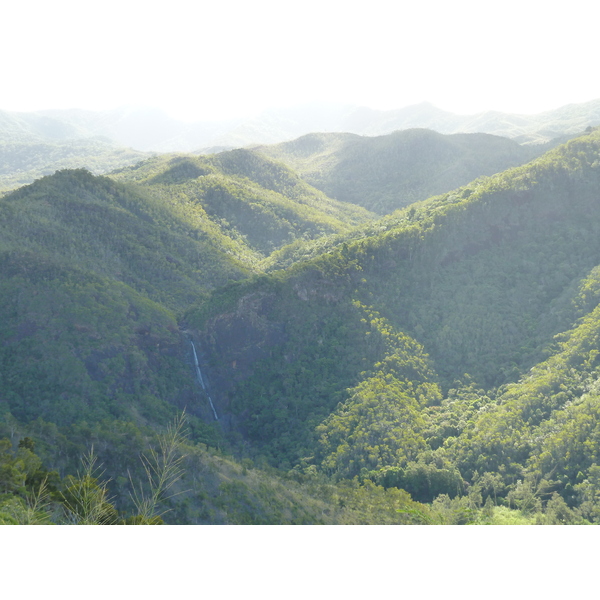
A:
149, 129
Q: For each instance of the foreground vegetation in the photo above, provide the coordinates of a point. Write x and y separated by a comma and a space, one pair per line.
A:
202, 485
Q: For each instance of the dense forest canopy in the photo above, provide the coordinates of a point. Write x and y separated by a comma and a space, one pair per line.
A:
344, 346
388, 172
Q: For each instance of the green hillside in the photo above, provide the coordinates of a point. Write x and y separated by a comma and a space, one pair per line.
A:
328, 362
438, 365
93, 274
165, 250
388, 172
253, 199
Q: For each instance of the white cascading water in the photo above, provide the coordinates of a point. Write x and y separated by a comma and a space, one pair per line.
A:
201, 380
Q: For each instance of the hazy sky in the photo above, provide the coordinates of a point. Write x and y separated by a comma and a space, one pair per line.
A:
208, 60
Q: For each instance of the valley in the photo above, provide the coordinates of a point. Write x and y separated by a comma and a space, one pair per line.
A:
397, 329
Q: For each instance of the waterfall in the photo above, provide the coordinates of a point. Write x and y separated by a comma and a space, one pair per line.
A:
201, 380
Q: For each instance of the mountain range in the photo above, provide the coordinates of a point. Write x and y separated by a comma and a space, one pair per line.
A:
399, 328
38, 143
387, 172
148, 129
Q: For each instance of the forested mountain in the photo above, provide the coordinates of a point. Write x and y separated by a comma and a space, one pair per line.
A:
103, 267
36, 144
389, 172
525, 129
253, 199
92, 272
438, 365
329, 359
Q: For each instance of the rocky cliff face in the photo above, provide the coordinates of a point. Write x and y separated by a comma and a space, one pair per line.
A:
232, 342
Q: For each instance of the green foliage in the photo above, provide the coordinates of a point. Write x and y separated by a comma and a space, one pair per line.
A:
323, 347
388, 172
423, 480
257, 203
81, 346
25, 485
484, 278
379, 425
86, 498
117, 231
446, 354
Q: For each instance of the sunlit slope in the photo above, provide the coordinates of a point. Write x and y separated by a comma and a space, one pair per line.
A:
420, 355
388, 172
251, 198
538, 437
480, 279
166, 250
93, 273
485, 277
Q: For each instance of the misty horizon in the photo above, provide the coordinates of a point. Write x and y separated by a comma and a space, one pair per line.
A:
320, 105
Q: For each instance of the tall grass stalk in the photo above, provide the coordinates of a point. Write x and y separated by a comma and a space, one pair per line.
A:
163, 469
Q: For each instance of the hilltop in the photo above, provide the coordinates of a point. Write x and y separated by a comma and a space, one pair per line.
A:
388, 172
